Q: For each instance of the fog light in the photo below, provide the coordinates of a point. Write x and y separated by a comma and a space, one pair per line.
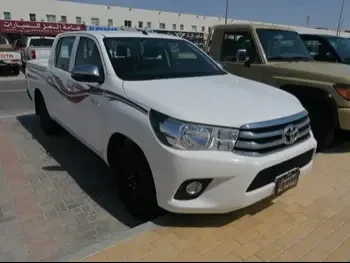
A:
191, 189
194, 188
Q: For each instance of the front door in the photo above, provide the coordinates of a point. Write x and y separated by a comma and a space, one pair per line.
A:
90, 103
239, 55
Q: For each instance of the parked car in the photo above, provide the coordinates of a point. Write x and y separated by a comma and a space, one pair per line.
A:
35, 48
9, 58
177, 130
277, 56
328, 48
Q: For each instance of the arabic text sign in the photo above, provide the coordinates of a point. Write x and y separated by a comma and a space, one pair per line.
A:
29, 27
191, 36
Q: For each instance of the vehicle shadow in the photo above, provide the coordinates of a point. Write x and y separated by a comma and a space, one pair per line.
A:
95, 179
210, 220
85, 168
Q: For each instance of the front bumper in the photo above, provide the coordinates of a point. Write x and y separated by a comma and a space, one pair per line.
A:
232, 175
344, 118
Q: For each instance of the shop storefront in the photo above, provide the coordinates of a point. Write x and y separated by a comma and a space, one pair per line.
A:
15, 29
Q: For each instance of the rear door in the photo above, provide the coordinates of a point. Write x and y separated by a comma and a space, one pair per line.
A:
63, 99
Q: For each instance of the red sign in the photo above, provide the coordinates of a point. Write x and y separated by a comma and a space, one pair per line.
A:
38, 28
6, 55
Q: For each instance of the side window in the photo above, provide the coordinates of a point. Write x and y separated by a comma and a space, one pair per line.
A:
235, 41
63, 53
313, 46
88, 53
319, 50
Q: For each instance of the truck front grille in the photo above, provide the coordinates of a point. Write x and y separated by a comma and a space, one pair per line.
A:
266, 137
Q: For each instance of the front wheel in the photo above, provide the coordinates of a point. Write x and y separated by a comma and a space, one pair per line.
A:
323, 128
135, 183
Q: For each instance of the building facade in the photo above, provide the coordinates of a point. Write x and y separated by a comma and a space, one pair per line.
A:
101, 15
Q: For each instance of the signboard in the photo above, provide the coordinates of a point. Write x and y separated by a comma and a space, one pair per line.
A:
103, 28
38, 28
195, 37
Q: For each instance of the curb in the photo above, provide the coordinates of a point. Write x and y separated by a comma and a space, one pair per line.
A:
108, 242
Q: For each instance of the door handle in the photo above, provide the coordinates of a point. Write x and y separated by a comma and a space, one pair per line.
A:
95, 102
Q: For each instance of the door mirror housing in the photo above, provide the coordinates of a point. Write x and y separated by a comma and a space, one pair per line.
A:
241, 55
87, 73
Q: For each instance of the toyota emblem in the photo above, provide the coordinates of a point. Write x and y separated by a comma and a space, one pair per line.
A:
290, 134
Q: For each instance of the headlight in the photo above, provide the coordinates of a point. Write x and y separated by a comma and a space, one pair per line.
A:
191, 136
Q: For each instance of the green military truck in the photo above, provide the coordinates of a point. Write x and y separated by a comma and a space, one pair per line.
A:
277, 56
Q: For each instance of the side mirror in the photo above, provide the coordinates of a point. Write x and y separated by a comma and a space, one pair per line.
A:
241, 55
87, 73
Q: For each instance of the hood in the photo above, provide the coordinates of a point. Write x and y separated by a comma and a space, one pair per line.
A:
314, 70
224, 100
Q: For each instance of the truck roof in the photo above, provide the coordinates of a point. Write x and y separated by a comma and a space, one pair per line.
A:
252, 26
103, 34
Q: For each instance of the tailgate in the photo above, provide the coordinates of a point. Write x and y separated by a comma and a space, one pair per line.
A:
10, 56
41, 53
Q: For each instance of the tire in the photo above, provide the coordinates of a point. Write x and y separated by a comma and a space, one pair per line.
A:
322, 125
48, 125
135, 183
16, 71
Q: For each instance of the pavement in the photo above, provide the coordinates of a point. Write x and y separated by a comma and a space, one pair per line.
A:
58, 202
56, 196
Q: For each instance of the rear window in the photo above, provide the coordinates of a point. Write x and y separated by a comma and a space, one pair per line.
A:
41, 42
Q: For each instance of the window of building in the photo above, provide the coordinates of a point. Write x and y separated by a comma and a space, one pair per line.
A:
127, 23
182, 27
64, 19
140, 24
174, 26
194, 28
95, 21
161, 25
64, 52
110, 22
88, 53
7, 15
32, 17
203, 28
78, 19
51, 18
149, 25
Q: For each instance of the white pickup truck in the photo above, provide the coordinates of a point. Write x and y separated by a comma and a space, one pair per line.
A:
10, 59
178, 132
38, 47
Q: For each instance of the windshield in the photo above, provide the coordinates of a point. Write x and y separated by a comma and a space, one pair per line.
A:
283, 45
157, 58
341, 45
41, 42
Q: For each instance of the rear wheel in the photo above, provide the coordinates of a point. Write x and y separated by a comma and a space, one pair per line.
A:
48, 125
135, 182
16, 71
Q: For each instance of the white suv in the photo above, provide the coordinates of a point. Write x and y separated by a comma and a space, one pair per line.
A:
178, 131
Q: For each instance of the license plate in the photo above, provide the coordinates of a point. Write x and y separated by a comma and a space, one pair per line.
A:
286, 181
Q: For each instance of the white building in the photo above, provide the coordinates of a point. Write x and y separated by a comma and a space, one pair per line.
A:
92, 14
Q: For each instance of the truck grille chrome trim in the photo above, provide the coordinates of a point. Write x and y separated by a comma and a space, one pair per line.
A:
264, 138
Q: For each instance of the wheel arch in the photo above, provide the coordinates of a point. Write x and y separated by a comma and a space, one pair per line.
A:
316, 96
